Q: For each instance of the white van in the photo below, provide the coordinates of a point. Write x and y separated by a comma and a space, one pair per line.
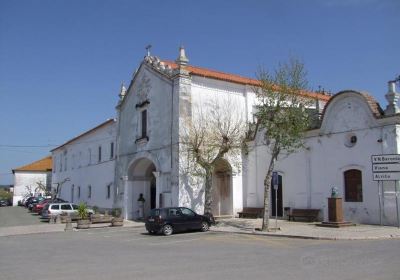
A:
55, 209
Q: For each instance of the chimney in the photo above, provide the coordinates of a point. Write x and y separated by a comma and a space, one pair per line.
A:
392, 97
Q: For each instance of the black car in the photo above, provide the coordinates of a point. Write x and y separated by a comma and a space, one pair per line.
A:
4, 202
174, 219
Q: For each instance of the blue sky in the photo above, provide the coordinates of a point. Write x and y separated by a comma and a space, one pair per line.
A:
62, 62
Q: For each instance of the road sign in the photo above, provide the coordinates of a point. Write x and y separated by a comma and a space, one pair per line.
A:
275, 180
386, 167
386, 176
392, 158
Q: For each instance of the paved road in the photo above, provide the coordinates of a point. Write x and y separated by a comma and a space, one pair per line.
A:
130, 253
17, 216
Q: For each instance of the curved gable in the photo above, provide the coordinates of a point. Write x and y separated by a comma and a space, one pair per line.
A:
350, 110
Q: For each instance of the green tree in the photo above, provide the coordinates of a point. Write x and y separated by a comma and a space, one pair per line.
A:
281, 115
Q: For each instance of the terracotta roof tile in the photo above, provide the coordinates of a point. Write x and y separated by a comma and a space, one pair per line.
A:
203, 72
44, 164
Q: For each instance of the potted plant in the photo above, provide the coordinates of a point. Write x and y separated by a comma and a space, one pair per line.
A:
117, 221
83, 221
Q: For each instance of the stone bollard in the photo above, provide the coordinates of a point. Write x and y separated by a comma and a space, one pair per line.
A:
57, 219
68, 224
51, 220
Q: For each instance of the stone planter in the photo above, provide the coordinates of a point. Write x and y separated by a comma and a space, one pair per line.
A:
83, 224
117, 222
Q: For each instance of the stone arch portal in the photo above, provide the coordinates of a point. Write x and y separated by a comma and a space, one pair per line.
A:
222, 193
141, 179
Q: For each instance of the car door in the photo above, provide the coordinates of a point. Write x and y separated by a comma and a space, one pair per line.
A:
67, 208
176, 219
192, 220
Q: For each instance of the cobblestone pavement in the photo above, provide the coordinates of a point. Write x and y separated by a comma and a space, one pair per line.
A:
307, 230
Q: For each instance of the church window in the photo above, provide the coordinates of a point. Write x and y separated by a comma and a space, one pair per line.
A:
108, 191
112, 150
353, 185
144, 124
99, 159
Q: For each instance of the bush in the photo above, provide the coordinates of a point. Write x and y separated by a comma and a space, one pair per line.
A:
82, 211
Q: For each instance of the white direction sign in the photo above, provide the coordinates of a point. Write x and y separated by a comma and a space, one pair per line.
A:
386, 167
386, 158
387, 176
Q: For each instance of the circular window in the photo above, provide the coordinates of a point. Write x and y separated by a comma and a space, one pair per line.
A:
351, 140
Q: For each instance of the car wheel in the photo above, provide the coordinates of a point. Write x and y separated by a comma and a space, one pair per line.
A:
204, 226
167, 230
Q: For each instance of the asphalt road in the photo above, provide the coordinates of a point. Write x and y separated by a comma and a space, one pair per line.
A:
129, 253
17, 216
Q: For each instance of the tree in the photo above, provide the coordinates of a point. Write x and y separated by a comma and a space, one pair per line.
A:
282, 115
215, 130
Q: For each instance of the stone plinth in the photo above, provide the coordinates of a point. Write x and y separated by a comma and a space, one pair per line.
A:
335, 214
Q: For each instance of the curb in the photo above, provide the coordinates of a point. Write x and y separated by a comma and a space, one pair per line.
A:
305, 237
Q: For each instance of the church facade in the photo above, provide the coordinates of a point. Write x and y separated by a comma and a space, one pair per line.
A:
149, 159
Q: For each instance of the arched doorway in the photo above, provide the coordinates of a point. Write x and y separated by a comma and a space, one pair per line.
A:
222, 204
141, 182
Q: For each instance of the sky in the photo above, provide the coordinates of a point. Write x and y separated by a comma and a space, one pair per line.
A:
62, 61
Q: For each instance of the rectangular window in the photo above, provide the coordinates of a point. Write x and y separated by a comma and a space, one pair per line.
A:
144, 123
108, 191
89, 191
79, 192
99, 154
112, 150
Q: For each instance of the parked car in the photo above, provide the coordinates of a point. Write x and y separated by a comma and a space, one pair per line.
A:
37, 208
34, 201
55, 209
4, 202
174, 219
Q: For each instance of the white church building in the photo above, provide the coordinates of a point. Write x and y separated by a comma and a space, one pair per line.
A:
145, 156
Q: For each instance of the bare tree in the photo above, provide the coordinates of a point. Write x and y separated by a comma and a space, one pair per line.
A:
216, 130
282, 115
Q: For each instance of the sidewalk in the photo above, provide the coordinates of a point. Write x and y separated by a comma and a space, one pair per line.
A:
45, 227
243, 226
306, 230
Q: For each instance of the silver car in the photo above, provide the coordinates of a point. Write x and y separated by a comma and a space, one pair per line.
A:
55, 209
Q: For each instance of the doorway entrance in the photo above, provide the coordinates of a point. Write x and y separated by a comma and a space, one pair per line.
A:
222, 189
279, 200
143, 185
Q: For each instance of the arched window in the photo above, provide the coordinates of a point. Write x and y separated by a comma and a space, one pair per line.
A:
353, 185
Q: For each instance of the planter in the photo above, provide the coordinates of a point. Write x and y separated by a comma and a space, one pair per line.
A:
64, 219
99, 218
117, 222
83, 224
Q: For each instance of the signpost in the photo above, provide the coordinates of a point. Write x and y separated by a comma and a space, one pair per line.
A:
386, 168
275, 183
